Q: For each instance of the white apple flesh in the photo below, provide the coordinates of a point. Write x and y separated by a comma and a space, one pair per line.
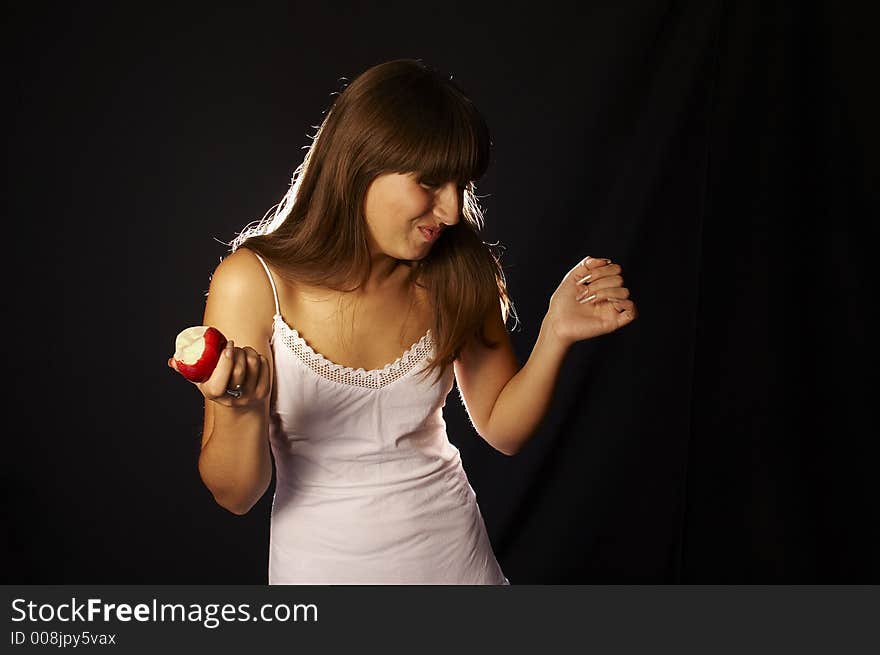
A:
197, 350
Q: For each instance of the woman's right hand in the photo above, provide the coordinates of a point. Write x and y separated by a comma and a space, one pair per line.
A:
236, 366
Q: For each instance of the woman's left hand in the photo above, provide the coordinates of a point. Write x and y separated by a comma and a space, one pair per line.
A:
572, 317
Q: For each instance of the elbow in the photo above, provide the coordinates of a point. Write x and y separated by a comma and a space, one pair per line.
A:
235, 498
509, 449
238, 505
235, 506
238, 510
232, 503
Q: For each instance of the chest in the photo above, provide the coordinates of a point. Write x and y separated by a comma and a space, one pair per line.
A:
366, 332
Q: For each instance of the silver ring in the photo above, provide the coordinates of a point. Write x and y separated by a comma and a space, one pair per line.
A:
236, 392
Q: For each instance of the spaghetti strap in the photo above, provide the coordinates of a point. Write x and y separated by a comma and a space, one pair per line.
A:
272, 282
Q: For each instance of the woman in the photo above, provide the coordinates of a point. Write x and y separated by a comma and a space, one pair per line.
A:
373, 252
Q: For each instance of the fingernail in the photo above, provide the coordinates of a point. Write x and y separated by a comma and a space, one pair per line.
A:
229, 346
587, 299
607, 261
584, 293
585, 278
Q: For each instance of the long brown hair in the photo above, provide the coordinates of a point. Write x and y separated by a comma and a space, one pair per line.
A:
397, 117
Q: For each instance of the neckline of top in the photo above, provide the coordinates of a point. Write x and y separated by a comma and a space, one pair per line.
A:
279, 320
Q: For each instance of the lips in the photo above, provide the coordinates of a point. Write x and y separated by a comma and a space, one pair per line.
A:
428, 233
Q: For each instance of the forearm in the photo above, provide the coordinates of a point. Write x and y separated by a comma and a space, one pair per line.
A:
524, 400
235, 463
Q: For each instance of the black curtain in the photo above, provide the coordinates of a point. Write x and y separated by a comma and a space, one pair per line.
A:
723, 152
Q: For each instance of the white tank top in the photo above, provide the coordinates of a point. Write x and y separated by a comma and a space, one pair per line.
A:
369, 489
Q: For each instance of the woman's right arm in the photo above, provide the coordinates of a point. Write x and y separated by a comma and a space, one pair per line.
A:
235, 463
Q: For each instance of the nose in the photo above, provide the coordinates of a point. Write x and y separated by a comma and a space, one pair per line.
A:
447, 206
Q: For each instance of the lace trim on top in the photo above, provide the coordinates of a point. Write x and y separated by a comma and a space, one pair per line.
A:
373, 379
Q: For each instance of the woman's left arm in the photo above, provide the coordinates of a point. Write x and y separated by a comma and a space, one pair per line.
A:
589, 302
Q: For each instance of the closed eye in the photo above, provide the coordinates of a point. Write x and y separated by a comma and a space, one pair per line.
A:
435, 185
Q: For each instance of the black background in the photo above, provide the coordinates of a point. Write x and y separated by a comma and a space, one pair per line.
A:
724, 153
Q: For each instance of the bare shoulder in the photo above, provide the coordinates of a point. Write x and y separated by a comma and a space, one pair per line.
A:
240, 299
240, 304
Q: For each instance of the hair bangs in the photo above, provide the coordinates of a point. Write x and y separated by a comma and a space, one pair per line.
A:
450, 143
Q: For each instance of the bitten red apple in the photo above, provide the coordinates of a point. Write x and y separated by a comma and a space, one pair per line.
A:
197, 350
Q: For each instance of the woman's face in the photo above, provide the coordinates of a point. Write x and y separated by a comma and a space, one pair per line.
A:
397, 205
